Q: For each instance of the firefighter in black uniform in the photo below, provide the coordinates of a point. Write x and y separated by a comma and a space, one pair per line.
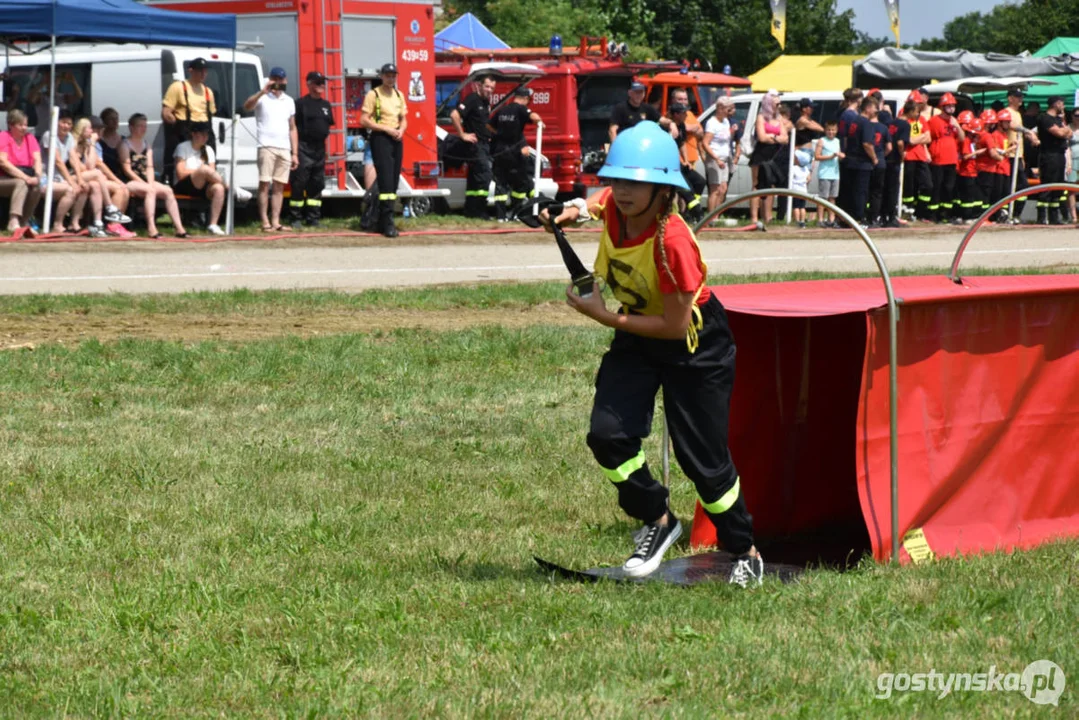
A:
1054, 135
510, 154
314, 118
471, 120
385, 117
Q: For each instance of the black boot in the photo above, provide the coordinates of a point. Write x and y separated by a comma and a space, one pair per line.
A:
1055, 218
369, 219
385, 219
1043, 216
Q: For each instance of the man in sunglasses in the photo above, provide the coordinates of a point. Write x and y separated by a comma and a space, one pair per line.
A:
314, 118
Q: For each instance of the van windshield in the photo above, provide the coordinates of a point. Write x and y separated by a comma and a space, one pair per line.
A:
597, 97
219, 78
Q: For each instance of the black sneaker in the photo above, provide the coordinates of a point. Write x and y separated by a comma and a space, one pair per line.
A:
747, 570
652, 542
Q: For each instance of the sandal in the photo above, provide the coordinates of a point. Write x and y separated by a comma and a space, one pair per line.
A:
267, 228
155, 236
280, 228
183, 235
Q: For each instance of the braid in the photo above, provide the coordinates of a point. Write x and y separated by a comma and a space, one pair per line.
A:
661, 232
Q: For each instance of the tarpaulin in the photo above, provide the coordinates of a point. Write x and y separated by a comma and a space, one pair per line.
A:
805, 73
988, 411
892, 67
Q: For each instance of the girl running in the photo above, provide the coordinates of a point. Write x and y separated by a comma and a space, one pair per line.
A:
670, 333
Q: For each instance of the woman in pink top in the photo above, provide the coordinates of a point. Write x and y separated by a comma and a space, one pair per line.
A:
20, 170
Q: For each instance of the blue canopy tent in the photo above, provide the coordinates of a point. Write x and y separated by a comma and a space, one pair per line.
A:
112, 21
467, 32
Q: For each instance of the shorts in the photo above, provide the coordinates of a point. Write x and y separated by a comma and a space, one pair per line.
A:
367, 159
186, 187
717, 175
274, 164
828, 188
798, 203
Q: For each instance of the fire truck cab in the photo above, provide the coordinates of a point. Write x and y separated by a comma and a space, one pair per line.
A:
703, 88
348, 41
455, 84
575, 96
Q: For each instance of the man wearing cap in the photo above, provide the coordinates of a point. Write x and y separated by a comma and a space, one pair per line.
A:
471, 119
510, 153
946, 136
633, 111
385, 117
185, 102
1054, 135
314, 118
1020, 137
278, 151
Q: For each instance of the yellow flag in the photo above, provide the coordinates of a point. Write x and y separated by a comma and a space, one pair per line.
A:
892, 6
779, 22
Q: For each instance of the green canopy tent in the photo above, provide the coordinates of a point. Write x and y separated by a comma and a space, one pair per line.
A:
1063, 85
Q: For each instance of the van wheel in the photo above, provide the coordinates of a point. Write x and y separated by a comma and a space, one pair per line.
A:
420, 206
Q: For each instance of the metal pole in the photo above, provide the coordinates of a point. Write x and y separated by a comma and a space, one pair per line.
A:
54, 116
790, 173
893, 333
539, 165
230, 212
899, 200
953, 274
1015, 172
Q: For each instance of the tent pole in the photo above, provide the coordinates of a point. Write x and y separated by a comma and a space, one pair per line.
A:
230, 213
790, 173
54, 115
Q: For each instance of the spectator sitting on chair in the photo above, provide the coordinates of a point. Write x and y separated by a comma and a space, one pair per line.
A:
88, 170
68, 192
137, 159
20, 171
116, 189
186, 102
196, 173
279, 145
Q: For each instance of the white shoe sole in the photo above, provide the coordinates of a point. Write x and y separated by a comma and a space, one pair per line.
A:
650, 567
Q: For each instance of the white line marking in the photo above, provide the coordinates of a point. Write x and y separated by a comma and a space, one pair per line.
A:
494, 268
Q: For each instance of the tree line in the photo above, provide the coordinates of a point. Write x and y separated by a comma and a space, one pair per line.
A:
737, 32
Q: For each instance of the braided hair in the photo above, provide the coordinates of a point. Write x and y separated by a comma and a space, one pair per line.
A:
670, 208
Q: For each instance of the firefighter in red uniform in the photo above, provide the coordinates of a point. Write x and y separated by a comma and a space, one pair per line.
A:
917, 179
966, 185
946, 135
990, 142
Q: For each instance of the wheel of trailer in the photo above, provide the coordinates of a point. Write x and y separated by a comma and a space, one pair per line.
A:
420, 206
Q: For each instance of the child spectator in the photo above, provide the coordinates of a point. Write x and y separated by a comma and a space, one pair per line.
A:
803, 165
828, 155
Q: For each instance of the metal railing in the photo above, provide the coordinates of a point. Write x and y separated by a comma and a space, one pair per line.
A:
953, 274
893, 320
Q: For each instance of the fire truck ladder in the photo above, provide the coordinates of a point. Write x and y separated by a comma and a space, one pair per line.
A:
333, 17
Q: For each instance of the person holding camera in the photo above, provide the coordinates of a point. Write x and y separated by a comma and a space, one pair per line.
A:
185, 102
279, 145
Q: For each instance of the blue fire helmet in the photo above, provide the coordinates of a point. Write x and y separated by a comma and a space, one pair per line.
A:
645, 153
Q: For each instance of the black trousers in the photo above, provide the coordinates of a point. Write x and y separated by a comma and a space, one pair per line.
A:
1051, 170
513, 178
876, 193
890, 206
969, 197
942, 196
387, 155
993, 187
846, 187
917, 187
307, 182
478, 185
697, 399
859, 192
698, 186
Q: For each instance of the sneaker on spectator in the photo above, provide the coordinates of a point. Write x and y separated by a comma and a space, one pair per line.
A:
97, 230
241, 194
118, 230
215, 229
113, 215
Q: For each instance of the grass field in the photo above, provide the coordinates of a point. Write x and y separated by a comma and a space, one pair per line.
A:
343, 525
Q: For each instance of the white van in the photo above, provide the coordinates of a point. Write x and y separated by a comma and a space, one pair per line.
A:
827, 104
132, 78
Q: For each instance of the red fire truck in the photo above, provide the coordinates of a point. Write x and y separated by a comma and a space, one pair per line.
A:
575, 96
348, 41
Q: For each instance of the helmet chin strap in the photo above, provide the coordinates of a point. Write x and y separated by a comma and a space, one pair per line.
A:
651, 201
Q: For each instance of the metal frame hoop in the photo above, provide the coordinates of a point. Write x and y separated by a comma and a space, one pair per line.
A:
953, 274
893, 320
